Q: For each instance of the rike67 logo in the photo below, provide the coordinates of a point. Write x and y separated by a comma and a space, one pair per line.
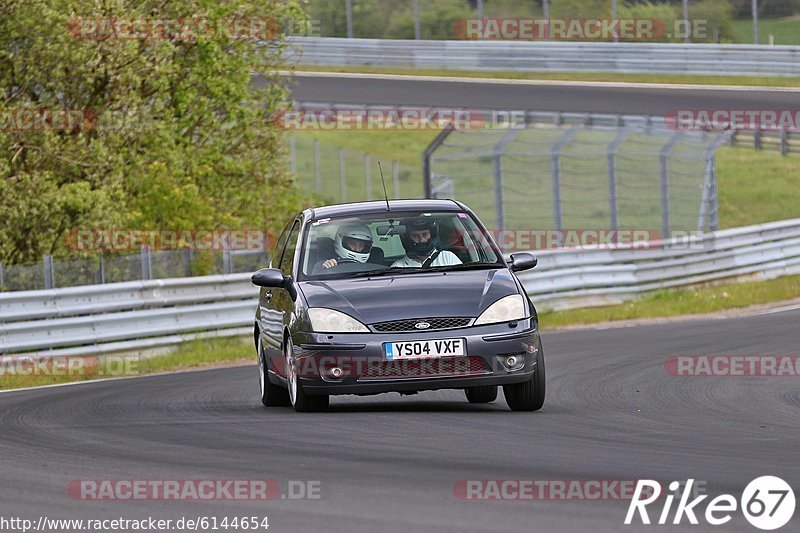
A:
767, 502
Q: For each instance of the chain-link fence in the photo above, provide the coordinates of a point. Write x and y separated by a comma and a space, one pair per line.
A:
562, 176
54, 273
339, 175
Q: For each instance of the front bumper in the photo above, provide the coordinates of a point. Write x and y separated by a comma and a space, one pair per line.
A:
365, 369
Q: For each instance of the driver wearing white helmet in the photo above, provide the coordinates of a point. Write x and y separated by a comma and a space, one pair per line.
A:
353, 244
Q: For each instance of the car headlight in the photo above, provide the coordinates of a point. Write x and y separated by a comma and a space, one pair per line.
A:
330, 321
504, 310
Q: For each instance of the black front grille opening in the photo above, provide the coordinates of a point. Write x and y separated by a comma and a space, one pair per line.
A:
422, 368
435, 324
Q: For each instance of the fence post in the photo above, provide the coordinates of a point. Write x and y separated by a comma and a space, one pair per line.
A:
227, 262
188, 265
342, 176
317, 169
368, 175
555, 167
348, 8
147, 265
49, 273
102, 269
396, 178
709, 204
662, 159
292, 154
612, 177
426, 159
497, 172
417, 29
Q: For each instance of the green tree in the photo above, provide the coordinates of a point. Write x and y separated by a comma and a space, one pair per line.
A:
177, 137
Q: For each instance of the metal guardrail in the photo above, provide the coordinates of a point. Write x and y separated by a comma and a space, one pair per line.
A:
538, 56
148, 314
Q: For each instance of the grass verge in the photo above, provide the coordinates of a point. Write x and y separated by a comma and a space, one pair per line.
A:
674, 79
195, 354
675, 302
786, 31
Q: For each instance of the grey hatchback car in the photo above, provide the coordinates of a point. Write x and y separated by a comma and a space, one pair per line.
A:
400, 296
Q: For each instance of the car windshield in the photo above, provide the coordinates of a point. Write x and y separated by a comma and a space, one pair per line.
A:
395, 243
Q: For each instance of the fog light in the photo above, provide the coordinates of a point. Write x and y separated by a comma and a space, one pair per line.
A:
337, 372
511, 361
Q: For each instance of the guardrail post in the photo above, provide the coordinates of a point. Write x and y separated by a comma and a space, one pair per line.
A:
427, 185
147, 263
757, 139
396, 178
342, 175
368, 175
612, 177
49, 273
497, 172
555, 167
317, 168
662, 159
785, 143
2, 281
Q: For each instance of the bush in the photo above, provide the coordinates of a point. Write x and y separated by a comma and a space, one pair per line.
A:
718, 15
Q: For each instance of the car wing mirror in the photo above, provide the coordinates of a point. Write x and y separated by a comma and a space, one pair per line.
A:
273, 278
522, 261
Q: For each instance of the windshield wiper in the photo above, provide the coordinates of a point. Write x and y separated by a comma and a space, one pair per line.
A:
384, 271
463, 266
417, 270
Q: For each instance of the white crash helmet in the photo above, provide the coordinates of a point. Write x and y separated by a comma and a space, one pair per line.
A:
348, 232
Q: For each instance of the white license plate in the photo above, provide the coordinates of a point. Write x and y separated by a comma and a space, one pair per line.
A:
424, 349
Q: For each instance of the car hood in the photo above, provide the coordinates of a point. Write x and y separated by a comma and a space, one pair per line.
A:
407, 296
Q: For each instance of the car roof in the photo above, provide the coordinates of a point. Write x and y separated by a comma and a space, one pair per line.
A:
360, 208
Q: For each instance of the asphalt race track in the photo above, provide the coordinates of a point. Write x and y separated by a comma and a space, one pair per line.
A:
551, 96
388, 463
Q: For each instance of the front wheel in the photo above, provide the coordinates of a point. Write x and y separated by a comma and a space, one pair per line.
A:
300, 400
271, 395
529, 395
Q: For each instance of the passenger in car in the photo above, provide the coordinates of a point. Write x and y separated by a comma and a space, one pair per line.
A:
422, 245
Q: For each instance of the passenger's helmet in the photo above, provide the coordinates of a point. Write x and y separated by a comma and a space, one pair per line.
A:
420, 249
348, 236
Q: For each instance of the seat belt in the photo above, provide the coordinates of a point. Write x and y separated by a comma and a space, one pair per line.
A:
429, 261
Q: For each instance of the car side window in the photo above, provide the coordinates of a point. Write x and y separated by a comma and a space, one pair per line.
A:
277, 251
291, 247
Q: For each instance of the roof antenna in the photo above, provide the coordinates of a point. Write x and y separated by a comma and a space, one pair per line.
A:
384, 187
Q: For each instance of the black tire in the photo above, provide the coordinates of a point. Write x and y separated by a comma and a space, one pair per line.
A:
529, 395
483, 394
299, 399
271, 395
